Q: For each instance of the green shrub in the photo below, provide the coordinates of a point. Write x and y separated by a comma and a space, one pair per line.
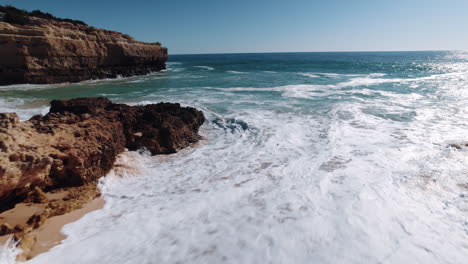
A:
18, 16
14, 15
38, 13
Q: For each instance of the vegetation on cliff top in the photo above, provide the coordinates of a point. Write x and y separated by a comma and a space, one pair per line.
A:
14, 15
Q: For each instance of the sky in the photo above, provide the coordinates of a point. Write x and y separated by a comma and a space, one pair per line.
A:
237, 26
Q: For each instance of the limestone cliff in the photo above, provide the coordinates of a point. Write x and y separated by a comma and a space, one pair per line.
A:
51, 51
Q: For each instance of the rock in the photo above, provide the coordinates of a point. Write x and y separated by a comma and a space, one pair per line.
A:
77, 142
51, 51
80, 106
36, 196
166, 127
459, 146
8, 120
5, 229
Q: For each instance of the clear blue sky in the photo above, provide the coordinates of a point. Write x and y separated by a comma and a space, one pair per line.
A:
221, 26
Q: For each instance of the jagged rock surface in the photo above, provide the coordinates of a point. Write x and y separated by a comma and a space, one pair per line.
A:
48, 51
78, 140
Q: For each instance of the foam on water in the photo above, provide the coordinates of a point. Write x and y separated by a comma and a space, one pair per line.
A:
24, 108
8, 252
19, 87
313, 189
356, 168
309, 90
309, 75
205, 67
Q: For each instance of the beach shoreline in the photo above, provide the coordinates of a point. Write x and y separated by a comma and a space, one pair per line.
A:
41, 239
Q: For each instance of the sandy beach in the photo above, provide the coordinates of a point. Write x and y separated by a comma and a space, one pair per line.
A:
38, 239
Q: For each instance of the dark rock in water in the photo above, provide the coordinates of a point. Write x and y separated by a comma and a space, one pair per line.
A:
459, 146
80, 105
78, 140
238, 123
231, 124
54, 51
159, 128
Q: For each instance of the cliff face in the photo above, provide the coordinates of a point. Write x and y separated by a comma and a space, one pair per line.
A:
49, 51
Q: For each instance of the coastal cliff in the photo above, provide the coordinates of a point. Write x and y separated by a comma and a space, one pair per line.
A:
46, 51
65, 152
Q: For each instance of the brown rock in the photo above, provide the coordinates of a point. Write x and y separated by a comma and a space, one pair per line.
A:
8, 120
36, 196
5, 229
66, 151
46, 153
50, 51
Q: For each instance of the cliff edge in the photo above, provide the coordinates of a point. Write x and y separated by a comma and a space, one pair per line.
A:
44, 51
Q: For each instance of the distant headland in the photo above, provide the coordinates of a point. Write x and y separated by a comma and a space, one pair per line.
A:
37, 47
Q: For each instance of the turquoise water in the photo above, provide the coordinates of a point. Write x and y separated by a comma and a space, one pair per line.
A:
307, 158
310, 81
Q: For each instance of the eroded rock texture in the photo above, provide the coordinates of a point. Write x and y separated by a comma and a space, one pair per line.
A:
49, 51
78, 140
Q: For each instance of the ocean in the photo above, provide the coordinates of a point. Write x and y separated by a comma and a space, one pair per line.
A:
306, 158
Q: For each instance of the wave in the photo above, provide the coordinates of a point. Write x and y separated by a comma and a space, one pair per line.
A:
27, 86
340, 75
309, 75
231, 124
236, 72
336, 75
8, 252
377, 74
176, 69
24, 108
119, 78
305, 90
335, 177
208, 68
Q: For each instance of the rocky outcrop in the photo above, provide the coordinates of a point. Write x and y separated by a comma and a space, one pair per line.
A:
78, 140
52, 51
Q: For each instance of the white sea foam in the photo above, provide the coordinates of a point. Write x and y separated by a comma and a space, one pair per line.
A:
309, 90
236, 72
20, 87
8, 252
119, 79
377, 74
309, 75
176, 69
285, 188
359, 180
24, 108
205, 67
336, 75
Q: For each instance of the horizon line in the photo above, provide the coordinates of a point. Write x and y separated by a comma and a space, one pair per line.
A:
350, 51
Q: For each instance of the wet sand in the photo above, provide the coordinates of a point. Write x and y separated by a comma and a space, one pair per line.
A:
37, 240
50, 235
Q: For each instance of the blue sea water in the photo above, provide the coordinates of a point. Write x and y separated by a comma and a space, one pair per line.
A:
307, 158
